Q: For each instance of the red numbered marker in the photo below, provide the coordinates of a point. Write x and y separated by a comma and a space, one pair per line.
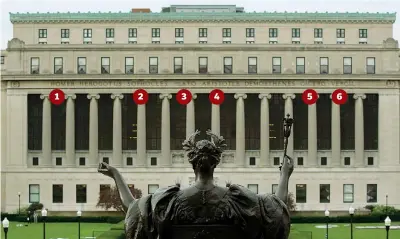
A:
184, 96
140, 97
57, 97
216, 97
309, 96
339, 97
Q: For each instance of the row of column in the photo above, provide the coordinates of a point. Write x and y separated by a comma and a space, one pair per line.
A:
240, 156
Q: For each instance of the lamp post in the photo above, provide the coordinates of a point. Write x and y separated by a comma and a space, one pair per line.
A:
44, 215
351, 212
19, 203
79, 214
387, 225
6, 224
327, 223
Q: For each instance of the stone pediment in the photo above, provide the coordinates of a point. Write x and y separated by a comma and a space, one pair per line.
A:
15, 43
391, 43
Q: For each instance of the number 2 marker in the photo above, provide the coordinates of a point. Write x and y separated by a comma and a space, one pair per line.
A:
140, 97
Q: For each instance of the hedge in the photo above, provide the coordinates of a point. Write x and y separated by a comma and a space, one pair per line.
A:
92, 219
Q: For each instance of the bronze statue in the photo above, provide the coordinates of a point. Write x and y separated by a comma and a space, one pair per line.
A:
205, 210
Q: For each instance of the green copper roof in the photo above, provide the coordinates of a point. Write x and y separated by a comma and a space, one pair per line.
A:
200, 16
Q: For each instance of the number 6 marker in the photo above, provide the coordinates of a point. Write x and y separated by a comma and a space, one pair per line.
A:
216, 97
184, 97
339, 97
140, 97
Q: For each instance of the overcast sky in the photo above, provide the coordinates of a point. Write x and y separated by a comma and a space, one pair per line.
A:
155, 5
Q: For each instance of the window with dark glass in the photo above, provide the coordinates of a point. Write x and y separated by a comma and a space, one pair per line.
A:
34, 193
324, 161
348, 193
129, 161
81, 193
203, 65
87, 33
179, 32
300, 65
318, 33
153, 161
370, 161
155, 32
324, 193
106, 160
178, 65
371, 120
2, 60
64, 33
370, 65
35, 161
363, 33
58, 65
228, 65
153, 65
252, 161
152, 188
109, 32
274, 188
347, 161
105, 65
132, 32
129, 65
276, 161
35, 65
253, 188
226, 32
324, 65
276, 65
252, 65
295, 32
58, 193
347, 65
340, 33
82, 161
81, 65
105, 190
250, 32
273, 32
42, 33
58, 161
301, 193
372, 193
202, 32
300, 161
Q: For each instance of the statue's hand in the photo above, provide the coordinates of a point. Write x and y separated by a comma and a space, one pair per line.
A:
287, 166
106, 169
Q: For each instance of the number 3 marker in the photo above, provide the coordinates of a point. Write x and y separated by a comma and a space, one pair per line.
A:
339, 97
216, 97
57, 97
140, 97
184, 97
309, 96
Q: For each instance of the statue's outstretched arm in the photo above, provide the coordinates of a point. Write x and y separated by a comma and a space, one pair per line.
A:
124, 192
286, 172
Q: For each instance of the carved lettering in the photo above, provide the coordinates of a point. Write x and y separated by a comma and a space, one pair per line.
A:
286, 83
62, 83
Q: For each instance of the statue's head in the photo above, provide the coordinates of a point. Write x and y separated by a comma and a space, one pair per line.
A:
204, 155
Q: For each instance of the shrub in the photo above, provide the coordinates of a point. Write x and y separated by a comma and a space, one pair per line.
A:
384, 210
34, 207
110, 198
291, 204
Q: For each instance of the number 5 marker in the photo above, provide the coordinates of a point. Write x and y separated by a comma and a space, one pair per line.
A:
309, 96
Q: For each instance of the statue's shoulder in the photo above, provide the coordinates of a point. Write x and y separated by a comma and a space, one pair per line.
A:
237, 190
162, 194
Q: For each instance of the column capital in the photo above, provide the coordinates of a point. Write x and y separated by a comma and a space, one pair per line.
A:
72, 96
264, 95
165, 95
93, 96
44, 96
359, 96
117, 96
288, 96
194, 96
240, 95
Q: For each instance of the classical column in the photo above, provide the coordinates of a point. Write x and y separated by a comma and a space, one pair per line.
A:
240, 130
70, 131
93, 130
289, 110
117, 130
264, 130
335, 134
165, 130
312, 135
359, 130
190, 117
215, 119
141, 136
46, 132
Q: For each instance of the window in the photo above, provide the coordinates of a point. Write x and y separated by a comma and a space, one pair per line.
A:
106, 160
340, 33
370, 160
348, 193
324, 161
370, 65
253, 188
132, 32
87, 33
276, 161
58, 161
153, 65
324, 193
82, 161
105, 190
347, 65
179, 32
252, 161
274, 188
228, 65
276, 65
295, 32
372, 193
252, 65
301, 193
58, 65
81, 193
273, 32
129, 63
57, 193
35, 65
105, 65
178, 65
129, 161
81, 65
347, 161
324, 65
363, 33
300, 161
34, 193
152, 188
64, 33
318, 32
250, 32
300, 65
202, 32
42, 33
109, 32
35, 161
203, 65
2, 60
226, 32
153, 161
155, 32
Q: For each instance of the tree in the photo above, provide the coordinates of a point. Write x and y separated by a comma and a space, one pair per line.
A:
291, 203
109, 197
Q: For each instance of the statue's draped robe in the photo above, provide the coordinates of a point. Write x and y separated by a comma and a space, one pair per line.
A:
259, 216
